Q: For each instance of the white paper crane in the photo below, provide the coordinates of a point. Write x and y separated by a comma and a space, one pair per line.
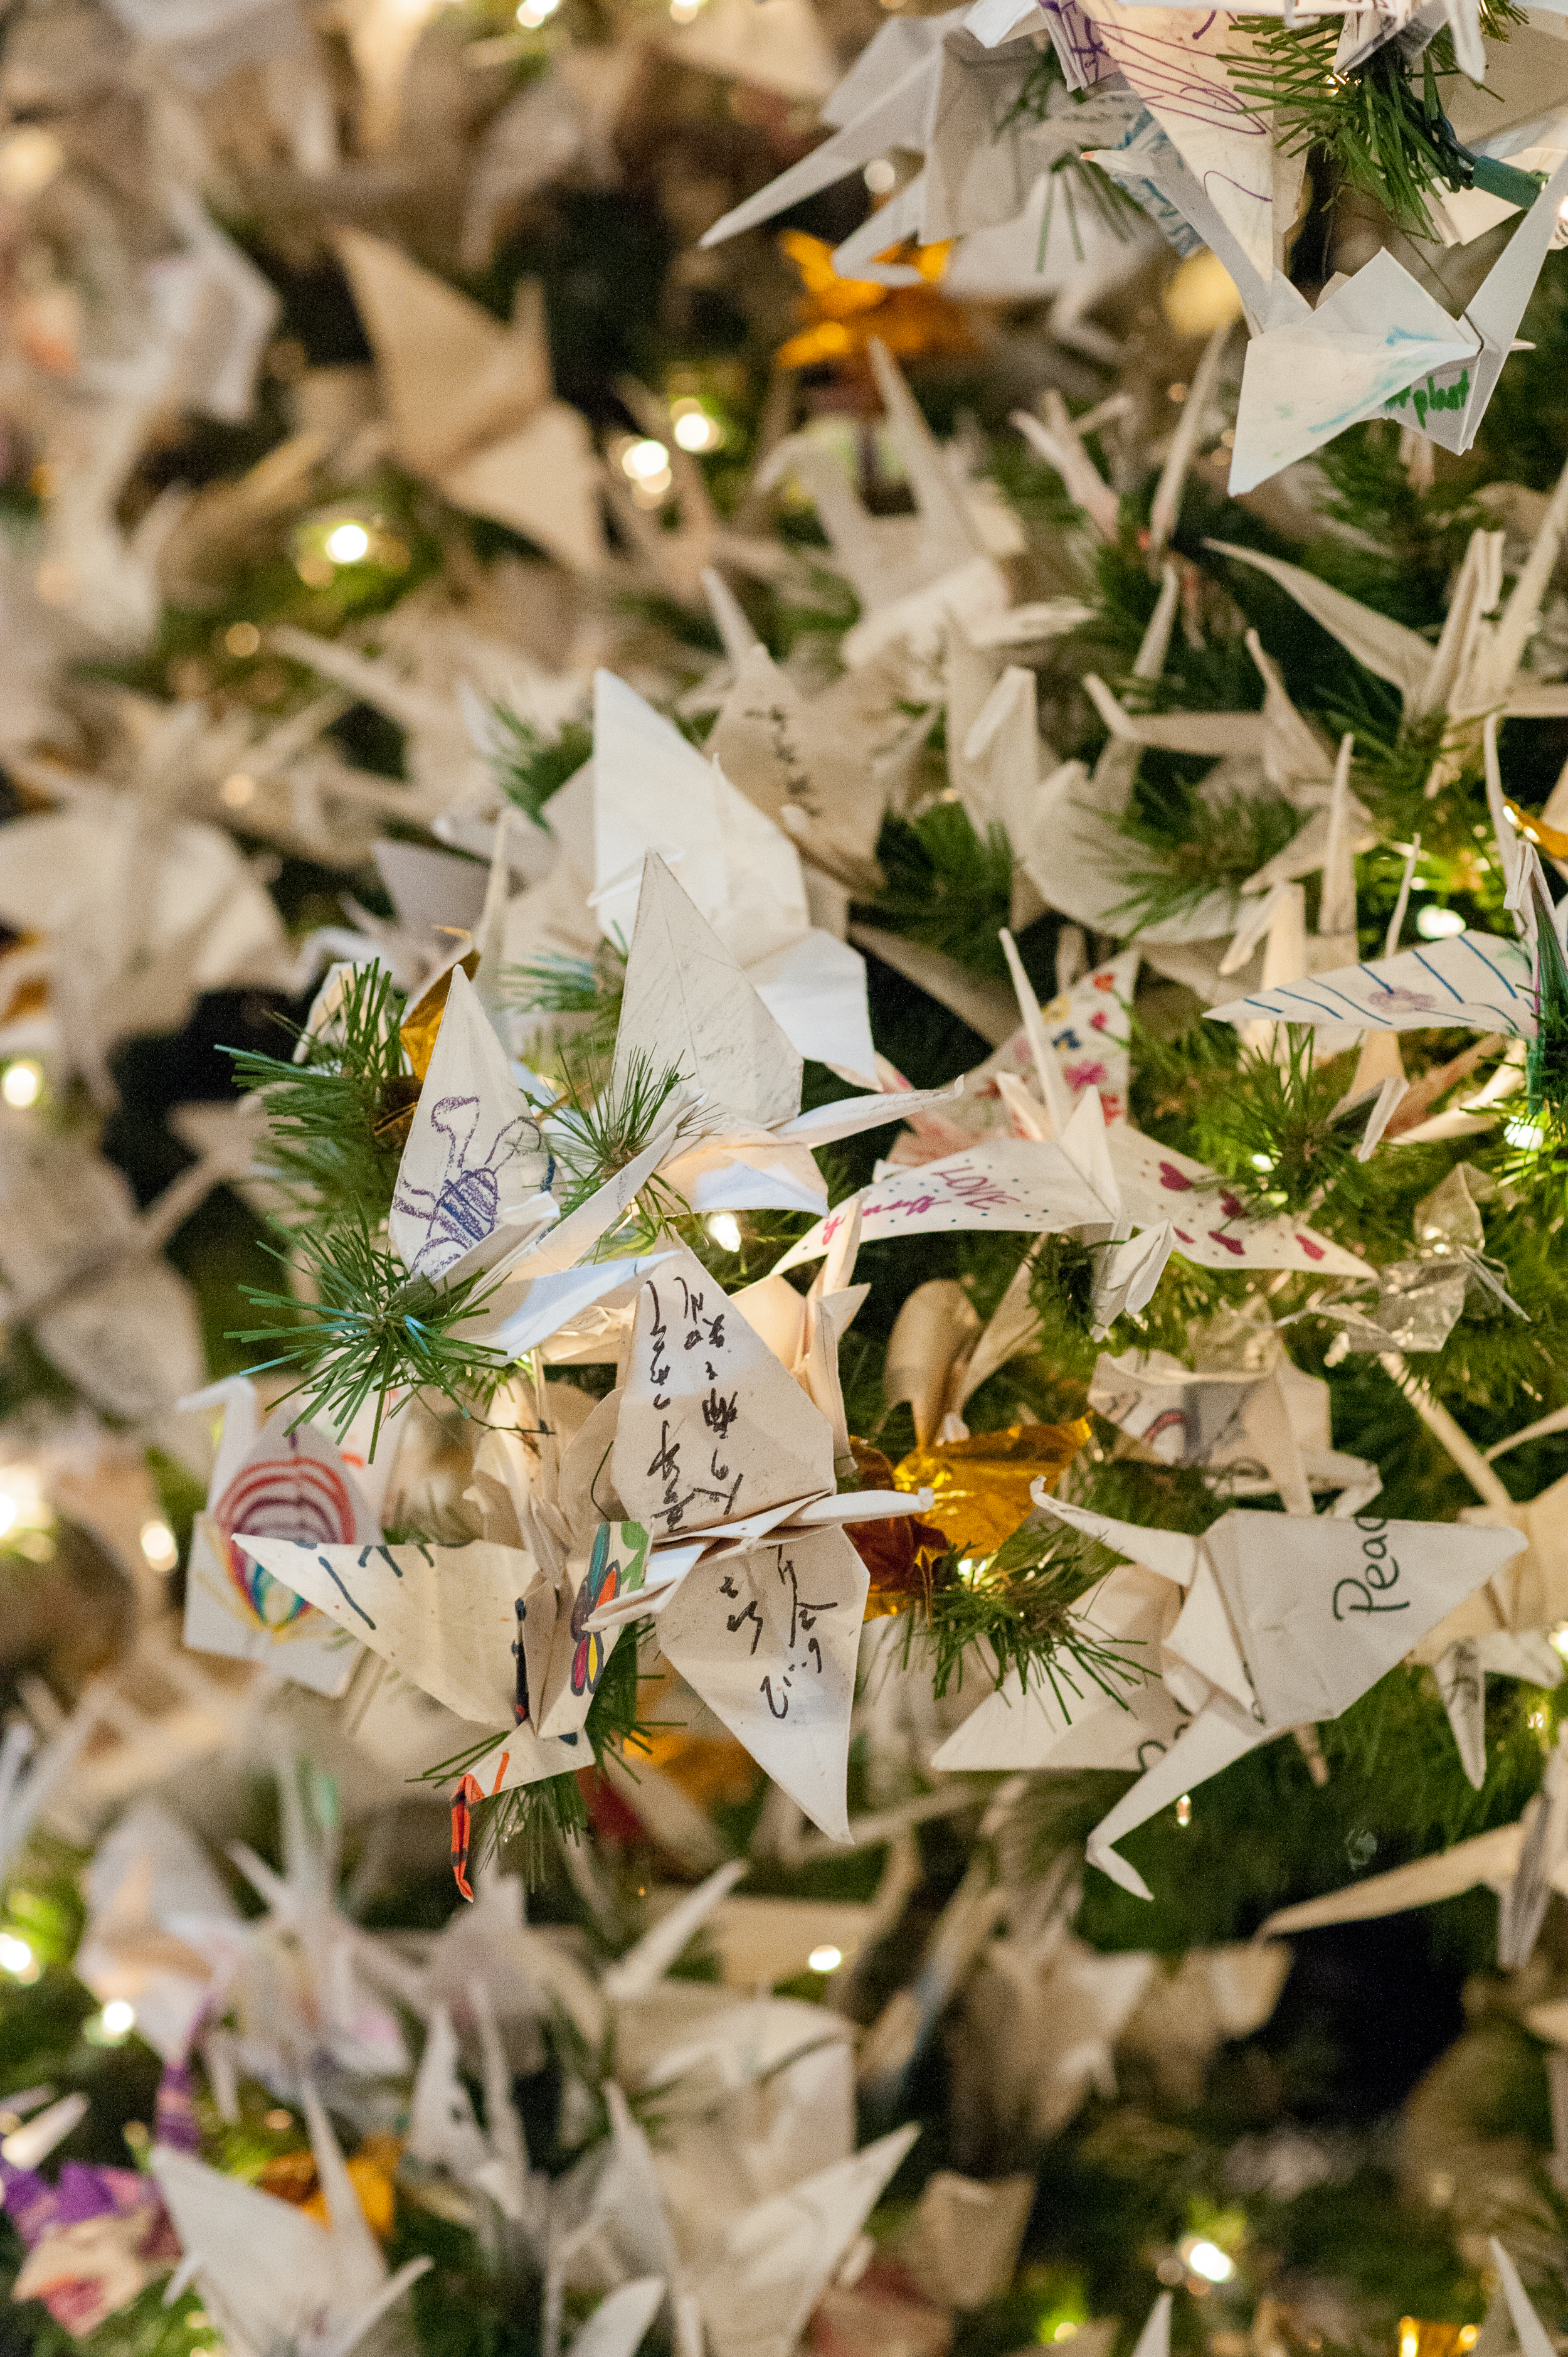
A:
274, 2278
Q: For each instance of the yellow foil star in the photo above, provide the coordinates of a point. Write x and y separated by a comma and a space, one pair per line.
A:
838, 316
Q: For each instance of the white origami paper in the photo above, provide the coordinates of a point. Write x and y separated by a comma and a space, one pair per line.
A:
1481, 980
913, 576
161, 1933
1285, 1622
653, 791
470, 404
715, 1440
31, 1773
688, 1006
291, 1484
461, 1622
1098, 1180
471, 1185
274, 2277
777, 2257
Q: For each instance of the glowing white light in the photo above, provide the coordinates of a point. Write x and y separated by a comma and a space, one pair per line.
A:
826, 1959
1208, 2260
16, 1956
7, 1512
159, 1547
645, 460
1558, 1640
1436, 924
1183, 1810
1526, 1135
724, 1230
22, 1082
29, 158
532, 14
880, 177
1262, 1161
682, 11
118, 2018
694, 429
1065, 2329
347, 543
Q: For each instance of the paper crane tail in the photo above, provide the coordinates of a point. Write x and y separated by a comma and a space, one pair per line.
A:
463, 1799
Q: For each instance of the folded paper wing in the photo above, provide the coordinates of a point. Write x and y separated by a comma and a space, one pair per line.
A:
712, 1428
769, 1636
1305, 379
1321, 1609
469, 1184
1210, 1224
1038, 1727
288, 1483
1007, 1184
688, 1004
1480, 980
446, 1617
277, 2277
653, 791
1490, 1858
779, 2256
616, 2326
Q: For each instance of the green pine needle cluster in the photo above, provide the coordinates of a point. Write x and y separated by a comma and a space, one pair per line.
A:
322, 1149
1190, 844
1016, 1606
1373, 129
366, 1330
529, 765
946, 885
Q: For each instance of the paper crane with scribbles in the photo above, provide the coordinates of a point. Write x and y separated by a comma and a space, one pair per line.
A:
1266, 1623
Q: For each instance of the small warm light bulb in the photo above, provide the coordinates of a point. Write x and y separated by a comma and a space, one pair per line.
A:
644, 460
7, 1512
532, 14
1434, 924
118, 2018
347, 543
683, 11
724, 1230
1183, 1810
159, 1547
22, 1082
695, 430
826, 1959
1065, 2329
16, 1956
1208, 2260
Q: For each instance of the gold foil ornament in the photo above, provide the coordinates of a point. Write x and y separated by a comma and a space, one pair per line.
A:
902, 1553
982, 1484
